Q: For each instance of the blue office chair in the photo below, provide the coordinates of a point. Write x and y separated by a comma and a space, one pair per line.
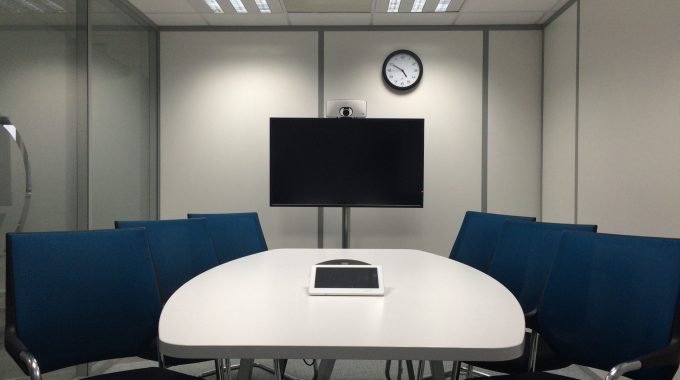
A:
611, 302
78, 297
234, 235
181, 250
478, 236
522, 262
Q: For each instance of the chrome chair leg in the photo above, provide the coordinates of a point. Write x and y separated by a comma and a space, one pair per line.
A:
534, 351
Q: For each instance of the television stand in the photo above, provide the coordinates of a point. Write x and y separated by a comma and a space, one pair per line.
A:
345, 227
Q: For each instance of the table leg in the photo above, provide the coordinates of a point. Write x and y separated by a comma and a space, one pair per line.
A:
226, 363
278, 370
421, 369
325, 369
437, 368
219, 374
245, 370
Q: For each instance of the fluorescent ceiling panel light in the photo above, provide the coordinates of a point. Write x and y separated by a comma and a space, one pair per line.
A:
418, 6
54, 6
263, 6
442, 6
214, 6
393, 6
238, 6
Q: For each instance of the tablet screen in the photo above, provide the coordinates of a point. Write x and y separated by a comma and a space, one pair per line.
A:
333, 277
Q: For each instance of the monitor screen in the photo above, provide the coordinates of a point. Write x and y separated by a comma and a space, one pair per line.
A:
346, 162
347, 278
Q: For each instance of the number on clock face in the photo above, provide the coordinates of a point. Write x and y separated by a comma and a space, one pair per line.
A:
402, 70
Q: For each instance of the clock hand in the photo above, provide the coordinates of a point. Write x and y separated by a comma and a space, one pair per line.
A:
402, 70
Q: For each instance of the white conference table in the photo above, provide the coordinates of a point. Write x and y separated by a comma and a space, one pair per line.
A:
257, 307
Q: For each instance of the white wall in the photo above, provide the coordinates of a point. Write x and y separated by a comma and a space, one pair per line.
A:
559, 119
629, 117
628, 64
514, 126
449, 98
218, 90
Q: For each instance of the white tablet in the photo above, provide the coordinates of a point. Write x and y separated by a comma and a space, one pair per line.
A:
346, 280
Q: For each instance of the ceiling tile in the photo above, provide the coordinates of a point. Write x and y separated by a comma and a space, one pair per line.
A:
327, 6
164, 6
498, 18
271, 19
455, 5
414, 18
330, 18
508, 5
177, 19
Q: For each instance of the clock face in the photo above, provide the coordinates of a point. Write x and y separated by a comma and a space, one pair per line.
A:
402, 70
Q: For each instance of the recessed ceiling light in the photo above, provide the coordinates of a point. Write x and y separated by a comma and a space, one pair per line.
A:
214, 6
238, 6
393, 6
418, 6
442, 6
263, 6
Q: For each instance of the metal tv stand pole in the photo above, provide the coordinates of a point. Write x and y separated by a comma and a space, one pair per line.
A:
345, 227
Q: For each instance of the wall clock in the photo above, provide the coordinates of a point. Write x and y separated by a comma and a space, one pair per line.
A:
402, 70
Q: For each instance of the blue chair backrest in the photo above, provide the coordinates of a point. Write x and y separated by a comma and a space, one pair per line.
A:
235, 235
77, 297
181, 250
477, 238
611, 299
524, 256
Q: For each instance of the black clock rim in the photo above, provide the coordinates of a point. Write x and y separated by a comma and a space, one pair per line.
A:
420, 67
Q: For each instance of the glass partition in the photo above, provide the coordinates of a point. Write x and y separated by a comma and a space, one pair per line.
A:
121, 150
78, 82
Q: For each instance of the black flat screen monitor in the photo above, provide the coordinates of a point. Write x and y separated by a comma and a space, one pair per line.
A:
346, 162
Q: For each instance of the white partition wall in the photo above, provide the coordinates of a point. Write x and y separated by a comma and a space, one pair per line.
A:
449, 98
218, 90
559, 119
514, 126
624, 64
629, 117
